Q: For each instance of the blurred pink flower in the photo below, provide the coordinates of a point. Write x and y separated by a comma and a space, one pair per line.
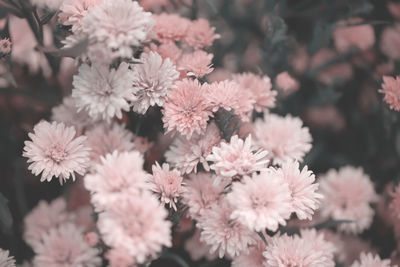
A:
287, 83
359, 36
186, 109
348, 194
138, 225
390, 41
91, 238
198, 63
198, 249
200, 34
300, 60
56, 151
119, 257
394, 9
152, 79
391, 89
223, 94
255, 257
369, 260
325, 117
285, 138
5, 259
170, 27
73, 11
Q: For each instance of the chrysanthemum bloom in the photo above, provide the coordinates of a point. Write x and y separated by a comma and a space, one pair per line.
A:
166, 183
64, 246
103, 92
237, 158
348, 193
287, 83
68, 113
52, 5
43, 217
197, 64
104, 139
118, 176
255, 257
359, 36
226, 236
390, 41
151, 81
73, 11
260, 88
118, 25
138, 225
118, 257
5, 47
200, 34
185, 154
198, 249
391, 89
167, 50
56, 151
369, 260
201, 193
170, 27
298, 251
186, 109
223, 94
5, 259
305, 199
262, 201
284, 138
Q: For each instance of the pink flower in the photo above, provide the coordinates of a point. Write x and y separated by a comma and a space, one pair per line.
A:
390, 41
359, 36
152, 79
166, 183
224, 94
91, 238
104, 139
56, 151
118, 176
168, 50
348, 193
325, 117
237, 158
5, 259
73, 11
305, 199
369, 260
186, 109
394, 9
5, 47
185, 154
200, 34
287, 83
65, 246
391, 89
196, 64
255, 257
138, 225
198, 249
119, 257
284, 138
170, 27
262, 201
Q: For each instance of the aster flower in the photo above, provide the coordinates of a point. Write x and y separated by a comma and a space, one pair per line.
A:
166, 183
168, 50
186, 109
348, 193
198, 249
305, 199
262, 201
369, 260
200, 34
185, 154
170, 27
224, 94
197, 64
73, 11
118, 25
390, 40
283, 137
255, 257
5, 259
118, 176
65, 246
137, 225
359, 36
151, 81
391, 89
55, 151
118, 257
102, 92
237, 158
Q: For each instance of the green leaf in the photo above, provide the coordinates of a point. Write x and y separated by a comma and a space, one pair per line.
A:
212, 6
6, 220
47, 17
227, 122
330, 224
75, 51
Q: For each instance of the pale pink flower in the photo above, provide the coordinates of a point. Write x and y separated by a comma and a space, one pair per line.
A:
91, 238
73, 11
255, 257
104, 139
52, 5
390, 41
5, 47
260, 88
224, 94
167, 184
118, 176
391, 89
394, 9
119, 257
198, 249
102, 92
369, 260
152, 79
226, 236
65, 246
348, 193
201, 193
262, 201
185, 154
237, 158
197, 64
200, 34
300, 60
186, 109
56, 151
351, 248
138, 225
325, 117
168, 50
5, 259
118, 25
284, 138
170, 27
305, 199
359, 36
287, 83
156, 5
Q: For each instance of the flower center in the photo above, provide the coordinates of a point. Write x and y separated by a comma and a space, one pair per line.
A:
57, 153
